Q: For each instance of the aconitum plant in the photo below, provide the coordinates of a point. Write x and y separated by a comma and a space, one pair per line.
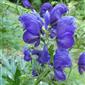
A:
50, 27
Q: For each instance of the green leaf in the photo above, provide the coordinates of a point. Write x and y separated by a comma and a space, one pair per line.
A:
51, 51
17, 77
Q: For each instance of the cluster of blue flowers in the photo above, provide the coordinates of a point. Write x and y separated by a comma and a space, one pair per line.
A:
50, 22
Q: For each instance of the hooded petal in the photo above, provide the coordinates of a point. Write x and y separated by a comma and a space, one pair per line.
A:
47, 19
57, 12
45, 7
26, 3
31, 23
59, 75
65, 24
62, 59
55, 15
61, 7
43, 55
81, 69
30, 38
67, 41
81, 63
27, 56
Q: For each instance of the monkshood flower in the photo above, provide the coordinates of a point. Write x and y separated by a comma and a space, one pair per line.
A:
65, 24
43, 55
51, 23
57, 12
59, 74
66, 41
45, 7
61, 61
31, 38
26, 3
81, 63
32, 26
31, 23
64, 32
27, 56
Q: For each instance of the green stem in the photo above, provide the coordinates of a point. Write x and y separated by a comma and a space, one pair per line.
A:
69, 73
42, 75
17, 6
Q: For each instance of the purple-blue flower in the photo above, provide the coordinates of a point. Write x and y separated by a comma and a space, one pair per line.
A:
57, 12
31, 23
61, 61
81, 63
64, 32
27, 56
65, 29
50, 23
65, 24
62, 8
32, 26
31, 38
45, 7
43, 55
26, 3
59, 74
66, 41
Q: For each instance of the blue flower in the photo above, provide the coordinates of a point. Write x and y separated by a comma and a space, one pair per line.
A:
65, 24
31, 23
62, 8
43, 55
81, 63
57, 12
59, 74
31, 38
66, 41
32, 26
61, 61
64, 32
27, 56
45, 7
26, 3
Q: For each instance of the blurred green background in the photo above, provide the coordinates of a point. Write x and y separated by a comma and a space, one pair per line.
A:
14, 71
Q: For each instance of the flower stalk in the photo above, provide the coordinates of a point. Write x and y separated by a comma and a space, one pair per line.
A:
41, 76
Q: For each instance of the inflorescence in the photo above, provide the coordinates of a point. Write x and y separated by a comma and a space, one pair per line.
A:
52, 23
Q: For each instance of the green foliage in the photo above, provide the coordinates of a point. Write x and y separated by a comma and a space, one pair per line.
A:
10, 30
14, 70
